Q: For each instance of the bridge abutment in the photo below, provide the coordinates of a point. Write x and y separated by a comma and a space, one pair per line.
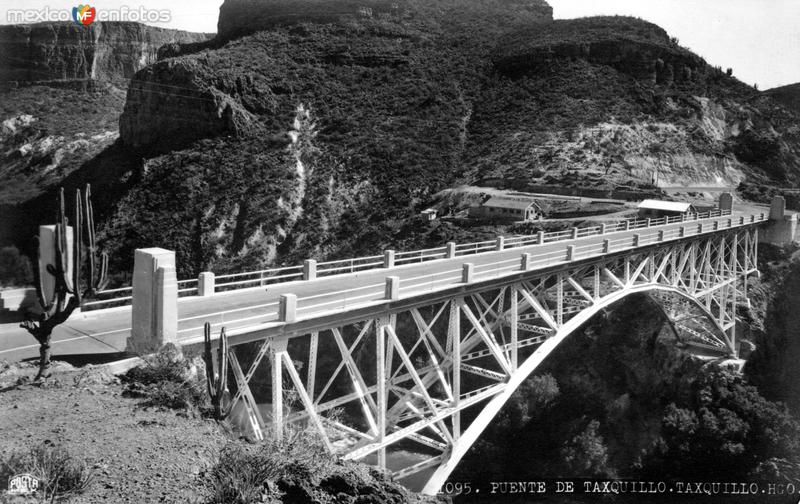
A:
781, 228
154, 311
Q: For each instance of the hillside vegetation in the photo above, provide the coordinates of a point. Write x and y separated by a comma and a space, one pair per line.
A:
319, 132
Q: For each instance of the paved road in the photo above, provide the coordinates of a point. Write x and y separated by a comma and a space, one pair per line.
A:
106, 331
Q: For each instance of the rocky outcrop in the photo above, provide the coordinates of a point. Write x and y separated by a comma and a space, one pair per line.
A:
176, 101
103, 51
630, 45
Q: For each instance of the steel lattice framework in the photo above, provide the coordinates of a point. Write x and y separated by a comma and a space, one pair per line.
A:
432, 371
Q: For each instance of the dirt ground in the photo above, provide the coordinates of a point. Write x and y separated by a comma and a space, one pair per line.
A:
136, 455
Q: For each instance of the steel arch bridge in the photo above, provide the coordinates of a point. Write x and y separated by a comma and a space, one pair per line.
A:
430, 369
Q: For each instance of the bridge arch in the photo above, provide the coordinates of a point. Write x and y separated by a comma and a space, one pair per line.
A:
404, 366
468, 438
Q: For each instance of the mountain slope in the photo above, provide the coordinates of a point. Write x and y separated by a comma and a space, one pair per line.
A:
787, 95
311, 130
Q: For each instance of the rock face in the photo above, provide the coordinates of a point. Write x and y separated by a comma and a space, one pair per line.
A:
103, 51
638, 48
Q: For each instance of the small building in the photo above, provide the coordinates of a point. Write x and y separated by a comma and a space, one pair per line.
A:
521, 209
655, 209
429, 214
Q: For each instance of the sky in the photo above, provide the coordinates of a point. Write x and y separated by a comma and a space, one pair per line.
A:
758, 39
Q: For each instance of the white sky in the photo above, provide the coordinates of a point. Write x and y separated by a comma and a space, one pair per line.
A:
759, 39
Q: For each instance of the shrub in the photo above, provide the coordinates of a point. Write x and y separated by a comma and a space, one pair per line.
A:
246, 473
60, 475
167, 380
15, 268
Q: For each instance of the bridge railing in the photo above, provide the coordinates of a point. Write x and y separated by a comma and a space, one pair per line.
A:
235, 281
434, 278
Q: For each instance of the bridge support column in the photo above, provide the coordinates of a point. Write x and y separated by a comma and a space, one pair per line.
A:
205, 284
154, 311
277, 347
451, 250
309, 269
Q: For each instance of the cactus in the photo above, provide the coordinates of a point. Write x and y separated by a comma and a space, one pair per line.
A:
217, 379
71, 289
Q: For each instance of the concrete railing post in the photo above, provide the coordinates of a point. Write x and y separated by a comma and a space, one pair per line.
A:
467, 273
649, 222
392, 288
606, 246
603, 228
526, 260
287, 308
716, 225
309, 269
627, 225
388, 258
661, 235
637, 239
540, 237
205, 284
574, 233
154, 307
166, 303
500, 244
570, 252
451, 250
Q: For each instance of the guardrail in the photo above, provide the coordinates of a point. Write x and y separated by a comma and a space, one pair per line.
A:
311, 269
469, 273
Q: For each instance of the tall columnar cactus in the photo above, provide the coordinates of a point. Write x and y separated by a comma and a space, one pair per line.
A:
217, 378
71, 288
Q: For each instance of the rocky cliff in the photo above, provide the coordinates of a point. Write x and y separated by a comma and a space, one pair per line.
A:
103, 51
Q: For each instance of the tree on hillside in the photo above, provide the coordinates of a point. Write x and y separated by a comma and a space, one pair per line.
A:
722, 425
70, 287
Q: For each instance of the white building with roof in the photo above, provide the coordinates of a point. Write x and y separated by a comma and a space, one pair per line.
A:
504, 207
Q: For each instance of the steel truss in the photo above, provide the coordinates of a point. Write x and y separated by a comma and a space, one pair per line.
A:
409, 375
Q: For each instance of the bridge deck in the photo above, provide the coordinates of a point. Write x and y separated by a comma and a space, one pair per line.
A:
106, 331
